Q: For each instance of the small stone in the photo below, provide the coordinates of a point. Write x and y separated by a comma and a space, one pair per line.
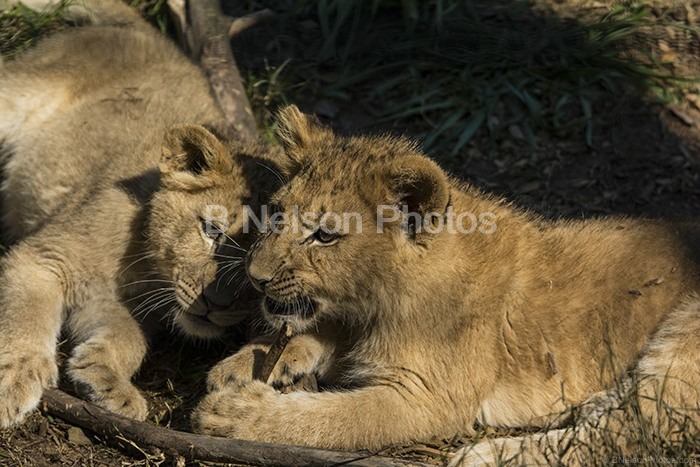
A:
43, 428
516, 132
78, 437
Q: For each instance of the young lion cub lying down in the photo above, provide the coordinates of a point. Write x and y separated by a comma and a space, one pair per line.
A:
504, 319
109, 186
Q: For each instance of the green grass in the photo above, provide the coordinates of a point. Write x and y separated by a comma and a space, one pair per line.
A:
155, 12
20, 26
446, 70
268, 90
454, 69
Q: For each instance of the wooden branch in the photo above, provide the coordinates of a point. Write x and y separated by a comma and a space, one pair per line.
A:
273, 355
198, 447
203, 34
178, 14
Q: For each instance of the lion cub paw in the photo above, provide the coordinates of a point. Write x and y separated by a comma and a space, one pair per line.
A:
297, 360
22, 381
104, 387
239, 411
239, 367
123, 399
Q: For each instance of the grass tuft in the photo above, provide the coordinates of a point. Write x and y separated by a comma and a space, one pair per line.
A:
22, 26
626, 436
454, 69
155, 12
268, 90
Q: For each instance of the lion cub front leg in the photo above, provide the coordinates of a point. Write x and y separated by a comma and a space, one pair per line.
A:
366, 418
31, 312
110, 350
304, 354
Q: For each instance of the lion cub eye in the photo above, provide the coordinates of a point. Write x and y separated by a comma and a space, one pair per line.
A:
210, 230
324, 236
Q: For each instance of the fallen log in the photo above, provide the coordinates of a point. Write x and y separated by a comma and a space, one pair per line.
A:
111, 426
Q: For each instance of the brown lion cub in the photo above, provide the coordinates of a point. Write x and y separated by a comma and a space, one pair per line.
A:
434, 306
118, 201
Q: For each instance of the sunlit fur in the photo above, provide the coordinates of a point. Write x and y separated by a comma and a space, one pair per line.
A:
420, 336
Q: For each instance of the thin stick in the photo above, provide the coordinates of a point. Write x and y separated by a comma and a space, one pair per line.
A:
273, 355
238, 25
111, 426
307, 382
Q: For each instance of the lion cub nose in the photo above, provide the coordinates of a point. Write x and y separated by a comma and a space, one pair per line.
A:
258, 278
259, 284
214, 297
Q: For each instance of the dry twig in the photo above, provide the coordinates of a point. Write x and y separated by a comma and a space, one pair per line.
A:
190, 446
307, 382
273, 355
238, 25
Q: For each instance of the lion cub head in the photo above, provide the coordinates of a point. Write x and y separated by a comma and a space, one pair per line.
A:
196, 229
350, 229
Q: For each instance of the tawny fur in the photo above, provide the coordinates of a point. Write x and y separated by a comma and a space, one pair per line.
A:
424, 334
108, 174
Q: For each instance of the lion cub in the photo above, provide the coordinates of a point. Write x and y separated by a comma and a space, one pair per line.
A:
118, 201
436, 306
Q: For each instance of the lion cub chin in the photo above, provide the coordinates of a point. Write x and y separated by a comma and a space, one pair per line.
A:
119, 203
432, 306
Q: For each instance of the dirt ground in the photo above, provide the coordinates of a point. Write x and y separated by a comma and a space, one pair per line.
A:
644, 161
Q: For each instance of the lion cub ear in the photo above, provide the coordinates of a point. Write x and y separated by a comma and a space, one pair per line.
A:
297, 133
190, 154
421, 187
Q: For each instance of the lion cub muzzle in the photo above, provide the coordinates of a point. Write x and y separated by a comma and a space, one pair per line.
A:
213, 305
284, 293
301, 307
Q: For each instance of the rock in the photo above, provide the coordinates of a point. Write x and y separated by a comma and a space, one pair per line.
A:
78, 437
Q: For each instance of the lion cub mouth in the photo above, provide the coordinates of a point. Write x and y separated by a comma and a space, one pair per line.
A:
302, 308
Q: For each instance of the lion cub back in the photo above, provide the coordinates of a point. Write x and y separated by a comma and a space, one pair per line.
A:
89, 106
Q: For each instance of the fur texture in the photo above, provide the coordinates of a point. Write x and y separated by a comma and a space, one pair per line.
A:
421, 332
109, 181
